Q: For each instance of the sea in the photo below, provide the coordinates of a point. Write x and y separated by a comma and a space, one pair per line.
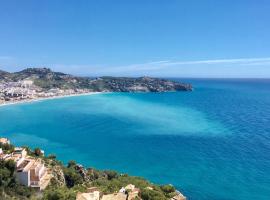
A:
212, 143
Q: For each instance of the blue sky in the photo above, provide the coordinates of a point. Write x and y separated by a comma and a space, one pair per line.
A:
177, 38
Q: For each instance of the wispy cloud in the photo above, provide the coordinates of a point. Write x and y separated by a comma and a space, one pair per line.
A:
6, 58
167, 64
169, 67
222, 61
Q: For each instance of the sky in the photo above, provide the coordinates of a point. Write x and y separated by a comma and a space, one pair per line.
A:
164, 38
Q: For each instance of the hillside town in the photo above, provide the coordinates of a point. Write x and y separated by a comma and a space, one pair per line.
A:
33, 172
37, 83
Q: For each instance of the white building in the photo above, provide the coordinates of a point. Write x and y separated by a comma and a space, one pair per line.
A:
32, 173
29, 171
26, 83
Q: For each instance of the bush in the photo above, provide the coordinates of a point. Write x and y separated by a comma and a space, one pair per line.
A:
59, 194
147, 194
167, 189
37, 152
72, 177
71, 163
19, 190
93, 174
111, 174
7, 169
7, 148
4, 177
52, 156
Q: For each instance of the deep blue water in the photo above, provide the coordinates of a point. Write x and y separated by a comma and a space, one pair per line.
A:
212, 143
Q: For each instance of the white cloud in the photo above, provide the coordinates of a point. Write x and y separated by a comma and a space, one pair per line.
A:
221, 61
172, 68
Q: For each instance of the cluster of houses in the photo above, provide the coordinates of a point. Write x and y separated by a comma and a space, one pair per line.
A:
26, 90
30, 171
17, 90
130, 192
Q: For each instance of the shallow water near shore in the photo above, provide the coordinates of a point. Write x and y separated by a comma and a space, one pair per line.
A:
212, 143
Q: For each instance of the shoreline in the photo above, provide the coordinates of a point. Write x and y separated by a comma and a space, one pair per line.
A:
48, 98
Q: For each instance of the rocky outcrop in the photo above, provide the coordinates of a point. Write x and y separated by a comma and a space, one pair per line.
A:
82, 171
58, 177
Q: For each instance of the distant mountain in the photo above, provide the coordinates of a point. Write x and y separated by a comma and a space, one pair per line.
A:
47, 79
4, 75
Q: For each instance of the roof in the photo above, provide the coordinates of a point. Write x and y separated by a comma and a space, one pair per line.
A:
29, 164
88, 196
115, 196
23, 165
18, 149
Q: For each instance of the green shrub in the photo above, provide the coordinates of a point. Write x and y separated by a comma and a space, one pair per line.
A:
167, 189
37, 152
147, 194
72, 177
52, 156
71, 163
59, 194
111, 174
7, 148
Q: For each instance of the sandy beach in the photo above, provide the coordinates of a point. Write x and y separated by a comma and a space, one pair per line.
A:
48, 98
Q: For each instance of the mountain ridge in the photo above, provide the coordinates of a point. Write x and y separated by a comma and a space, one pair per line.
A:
47, 79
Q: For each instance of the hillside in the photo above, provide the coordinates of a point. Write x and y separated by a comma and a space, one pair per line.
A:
46, 79
69, 182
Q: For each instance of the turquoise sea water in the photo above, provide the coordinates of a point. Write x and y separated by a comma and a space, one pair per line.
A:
212, 143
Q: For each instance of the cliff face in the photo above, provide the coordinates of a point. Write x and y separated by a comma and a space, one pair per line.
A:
47, 79
58, 177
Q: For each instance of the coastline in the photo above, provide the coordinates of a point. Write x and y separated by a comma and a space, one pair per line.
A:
72, 178
48, 98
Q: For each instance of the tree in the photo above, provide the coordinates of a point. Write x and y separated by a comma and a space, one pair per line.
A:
8, 148
71, 163
52, 156
72, 177
4, 177
7, 169
10, 165
147, 194
111, 174
38, 152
